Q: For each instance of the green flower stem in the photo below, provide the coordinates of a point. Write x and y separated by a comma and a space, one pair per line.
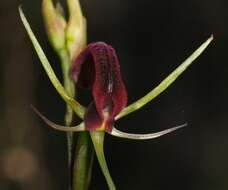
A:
165, 83
70, 89
84, 153
78, 109
84, 156
98, 142
75, 41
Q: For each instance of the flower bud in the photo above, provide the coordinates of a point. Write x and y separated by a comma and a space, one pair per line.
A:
55, 24
76, 29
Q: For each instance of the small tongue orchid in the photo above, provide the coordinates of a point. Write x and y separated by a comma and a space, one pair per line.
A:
97, 67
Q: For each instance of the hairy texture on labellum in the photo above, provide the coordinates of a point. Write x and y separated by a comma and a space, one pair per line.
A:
98, 67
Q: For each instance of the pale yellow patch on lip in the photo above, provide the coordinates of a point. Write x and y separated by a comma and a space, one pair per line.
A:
103, 126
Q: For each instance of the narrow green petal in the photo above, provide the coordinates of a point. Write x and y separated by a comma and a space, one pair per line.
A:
79, 109
80, 127
115, 132
98, 142
165, 83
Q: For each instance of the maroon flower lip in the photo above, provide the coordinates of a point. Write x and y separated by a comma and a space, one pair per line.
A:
97, 66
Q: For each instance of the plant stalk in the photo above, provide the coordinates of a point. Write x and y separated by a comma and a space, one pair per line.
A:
70, 89
84, 156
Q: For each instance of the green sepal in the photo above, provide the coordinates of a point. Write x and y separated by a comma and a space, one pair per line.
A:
165, 83
79, 109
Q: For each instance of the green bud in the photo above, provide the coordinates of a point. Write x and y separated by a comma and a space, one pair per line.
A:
76, 29
55, 24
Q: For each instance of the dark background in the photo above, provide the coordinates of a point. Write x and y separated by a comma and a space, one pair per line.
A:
151, 38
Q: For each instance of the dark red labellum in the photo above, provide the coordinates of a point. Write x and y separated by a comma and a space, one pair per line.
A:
98, 67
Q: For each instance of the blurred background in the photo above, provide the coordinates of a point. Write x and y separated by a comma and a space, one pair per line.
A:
151, 38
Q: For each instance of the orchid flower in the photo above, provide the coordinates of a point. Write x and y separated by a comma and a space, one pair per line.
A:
97, 67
